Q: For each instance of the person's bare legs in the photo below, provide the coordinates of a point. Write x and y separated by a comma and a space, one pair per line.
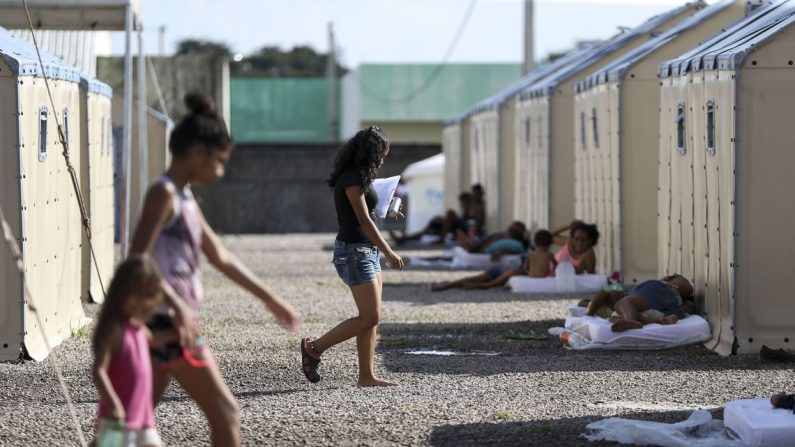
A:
365, 347
497, 282
477, 279
368, 301
207, 388
161, 378
628, 309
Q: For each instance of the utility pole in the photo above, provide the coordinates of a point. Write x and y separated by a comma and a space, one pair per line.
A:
331, 77
161, 40
529, 53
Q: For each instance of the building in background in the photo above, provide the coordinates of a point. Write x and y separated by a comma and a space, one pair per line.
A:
411, 102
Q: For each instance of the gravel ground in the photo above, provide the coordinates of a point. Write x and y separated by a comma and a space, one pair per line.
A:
498, 391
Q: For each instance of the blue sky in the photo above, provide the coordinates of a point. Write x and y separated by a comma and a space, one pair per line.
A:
391, 30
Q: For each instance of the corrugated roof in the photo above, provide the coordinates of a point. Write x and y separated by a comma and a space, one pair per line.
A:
733, 54
548, 84
742, 29
618, 68
94, 85
456, 87
21, 58
500, 98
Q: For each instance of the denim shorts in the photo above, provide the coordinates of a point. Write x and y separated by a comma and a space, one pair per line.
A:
660, 296
356, 262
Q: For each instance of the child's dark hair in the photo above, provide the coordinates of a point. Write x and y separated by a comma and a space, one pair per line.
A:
363, 153
477, 187
137, 274
465, 196
590, 230
202, 125
542, 238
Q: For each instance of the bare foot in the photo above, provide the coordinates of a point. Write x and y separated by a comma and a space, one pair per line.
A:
373, 381
669, 319
584, 303
624, 325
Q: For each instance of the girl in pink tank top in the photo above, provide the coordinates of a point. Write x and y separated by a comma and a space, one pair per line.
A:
578, 247
122, 366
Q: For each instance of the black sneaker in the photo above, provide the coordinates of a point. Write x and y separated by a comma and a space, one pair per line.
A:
309, 361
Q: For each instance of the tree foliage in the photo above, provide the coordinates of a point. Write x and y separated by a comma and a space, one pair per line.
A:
269, 61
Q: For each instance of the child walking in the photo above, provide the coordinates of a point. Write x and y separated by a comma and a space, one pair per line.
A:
174, 230
122, 366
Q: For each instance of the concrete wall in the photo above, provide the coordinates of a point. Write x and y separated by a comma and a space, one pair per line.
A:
281, 189
176, 75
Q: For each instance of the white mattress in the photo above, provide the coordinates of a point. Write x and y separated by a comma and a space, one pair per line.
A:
464, 259
585, 284
599, 335
757, 423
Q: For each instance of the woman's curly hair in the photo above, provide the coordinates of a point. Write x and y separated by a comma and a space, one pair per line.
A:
363, 153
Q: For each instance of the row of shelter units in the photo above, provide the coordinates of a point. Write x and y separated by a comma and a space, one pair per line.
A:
39, 200
537, 187
673, 138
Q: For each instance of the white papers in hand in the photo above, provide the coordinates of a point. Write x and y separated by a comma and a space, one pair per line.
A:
385, 188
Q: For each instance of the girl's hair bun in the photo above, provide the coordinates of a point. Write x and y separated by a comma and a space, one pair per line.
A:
199, 103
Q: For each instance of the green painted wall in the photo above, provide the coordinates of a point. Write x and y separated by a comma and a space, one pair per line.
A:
455, 88
280, 110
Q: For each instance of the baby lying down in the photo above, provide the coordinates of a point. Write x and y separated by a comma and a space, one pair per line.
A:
654, 301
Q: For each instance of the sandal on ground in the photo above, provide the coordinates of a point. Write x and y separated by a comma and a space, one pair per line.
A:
309, 361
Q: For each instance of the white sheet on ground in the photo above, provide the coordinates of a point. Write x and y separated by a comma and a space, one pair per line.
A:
465, 259
577, 311
757, 423
585, 283
599, 335
385, 188
699, 430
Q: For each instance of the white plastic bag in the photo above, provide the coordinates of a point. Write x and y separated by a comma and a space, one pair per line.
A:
699, 430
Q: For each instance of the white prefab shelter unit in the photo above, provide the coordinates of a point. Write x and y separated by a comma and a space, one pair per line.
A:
725, 183
616, 162
425, 182
549, 106
495, 161
96, 182
451, 148
38, 198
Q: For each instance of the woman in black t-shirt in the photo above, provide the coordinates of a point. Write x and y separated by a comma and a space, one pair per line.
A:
356, 253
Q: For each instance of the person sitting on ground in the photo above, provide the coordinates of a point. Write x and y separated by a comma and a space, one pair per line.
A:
578, 246
440, 226
654, 301
477, 211
514, 240
538, 263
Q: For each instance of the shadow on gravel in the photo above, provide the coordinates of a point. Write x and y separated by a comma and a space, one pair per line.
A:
555, 432
420, 293
470, 349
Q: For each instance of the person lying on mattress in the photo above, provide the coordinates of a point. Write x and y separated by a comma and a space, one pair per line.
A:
515, 240
654, 301
538, 263
441, 226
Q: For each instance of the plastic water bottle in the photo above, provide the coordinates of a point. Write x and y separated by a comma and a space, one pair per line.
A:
573, 339
565, 278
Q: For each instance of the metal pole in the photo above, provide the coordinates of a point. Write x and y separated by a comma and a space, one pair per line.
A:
331, 77
143, 143
529, 51
127, 134
161, 42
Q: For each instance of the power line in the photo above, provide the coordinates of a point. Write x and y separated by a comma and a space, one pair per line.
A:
436, 70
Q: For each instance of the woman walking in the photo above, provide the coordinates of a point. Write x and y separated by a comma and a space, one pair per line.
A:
356, 253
